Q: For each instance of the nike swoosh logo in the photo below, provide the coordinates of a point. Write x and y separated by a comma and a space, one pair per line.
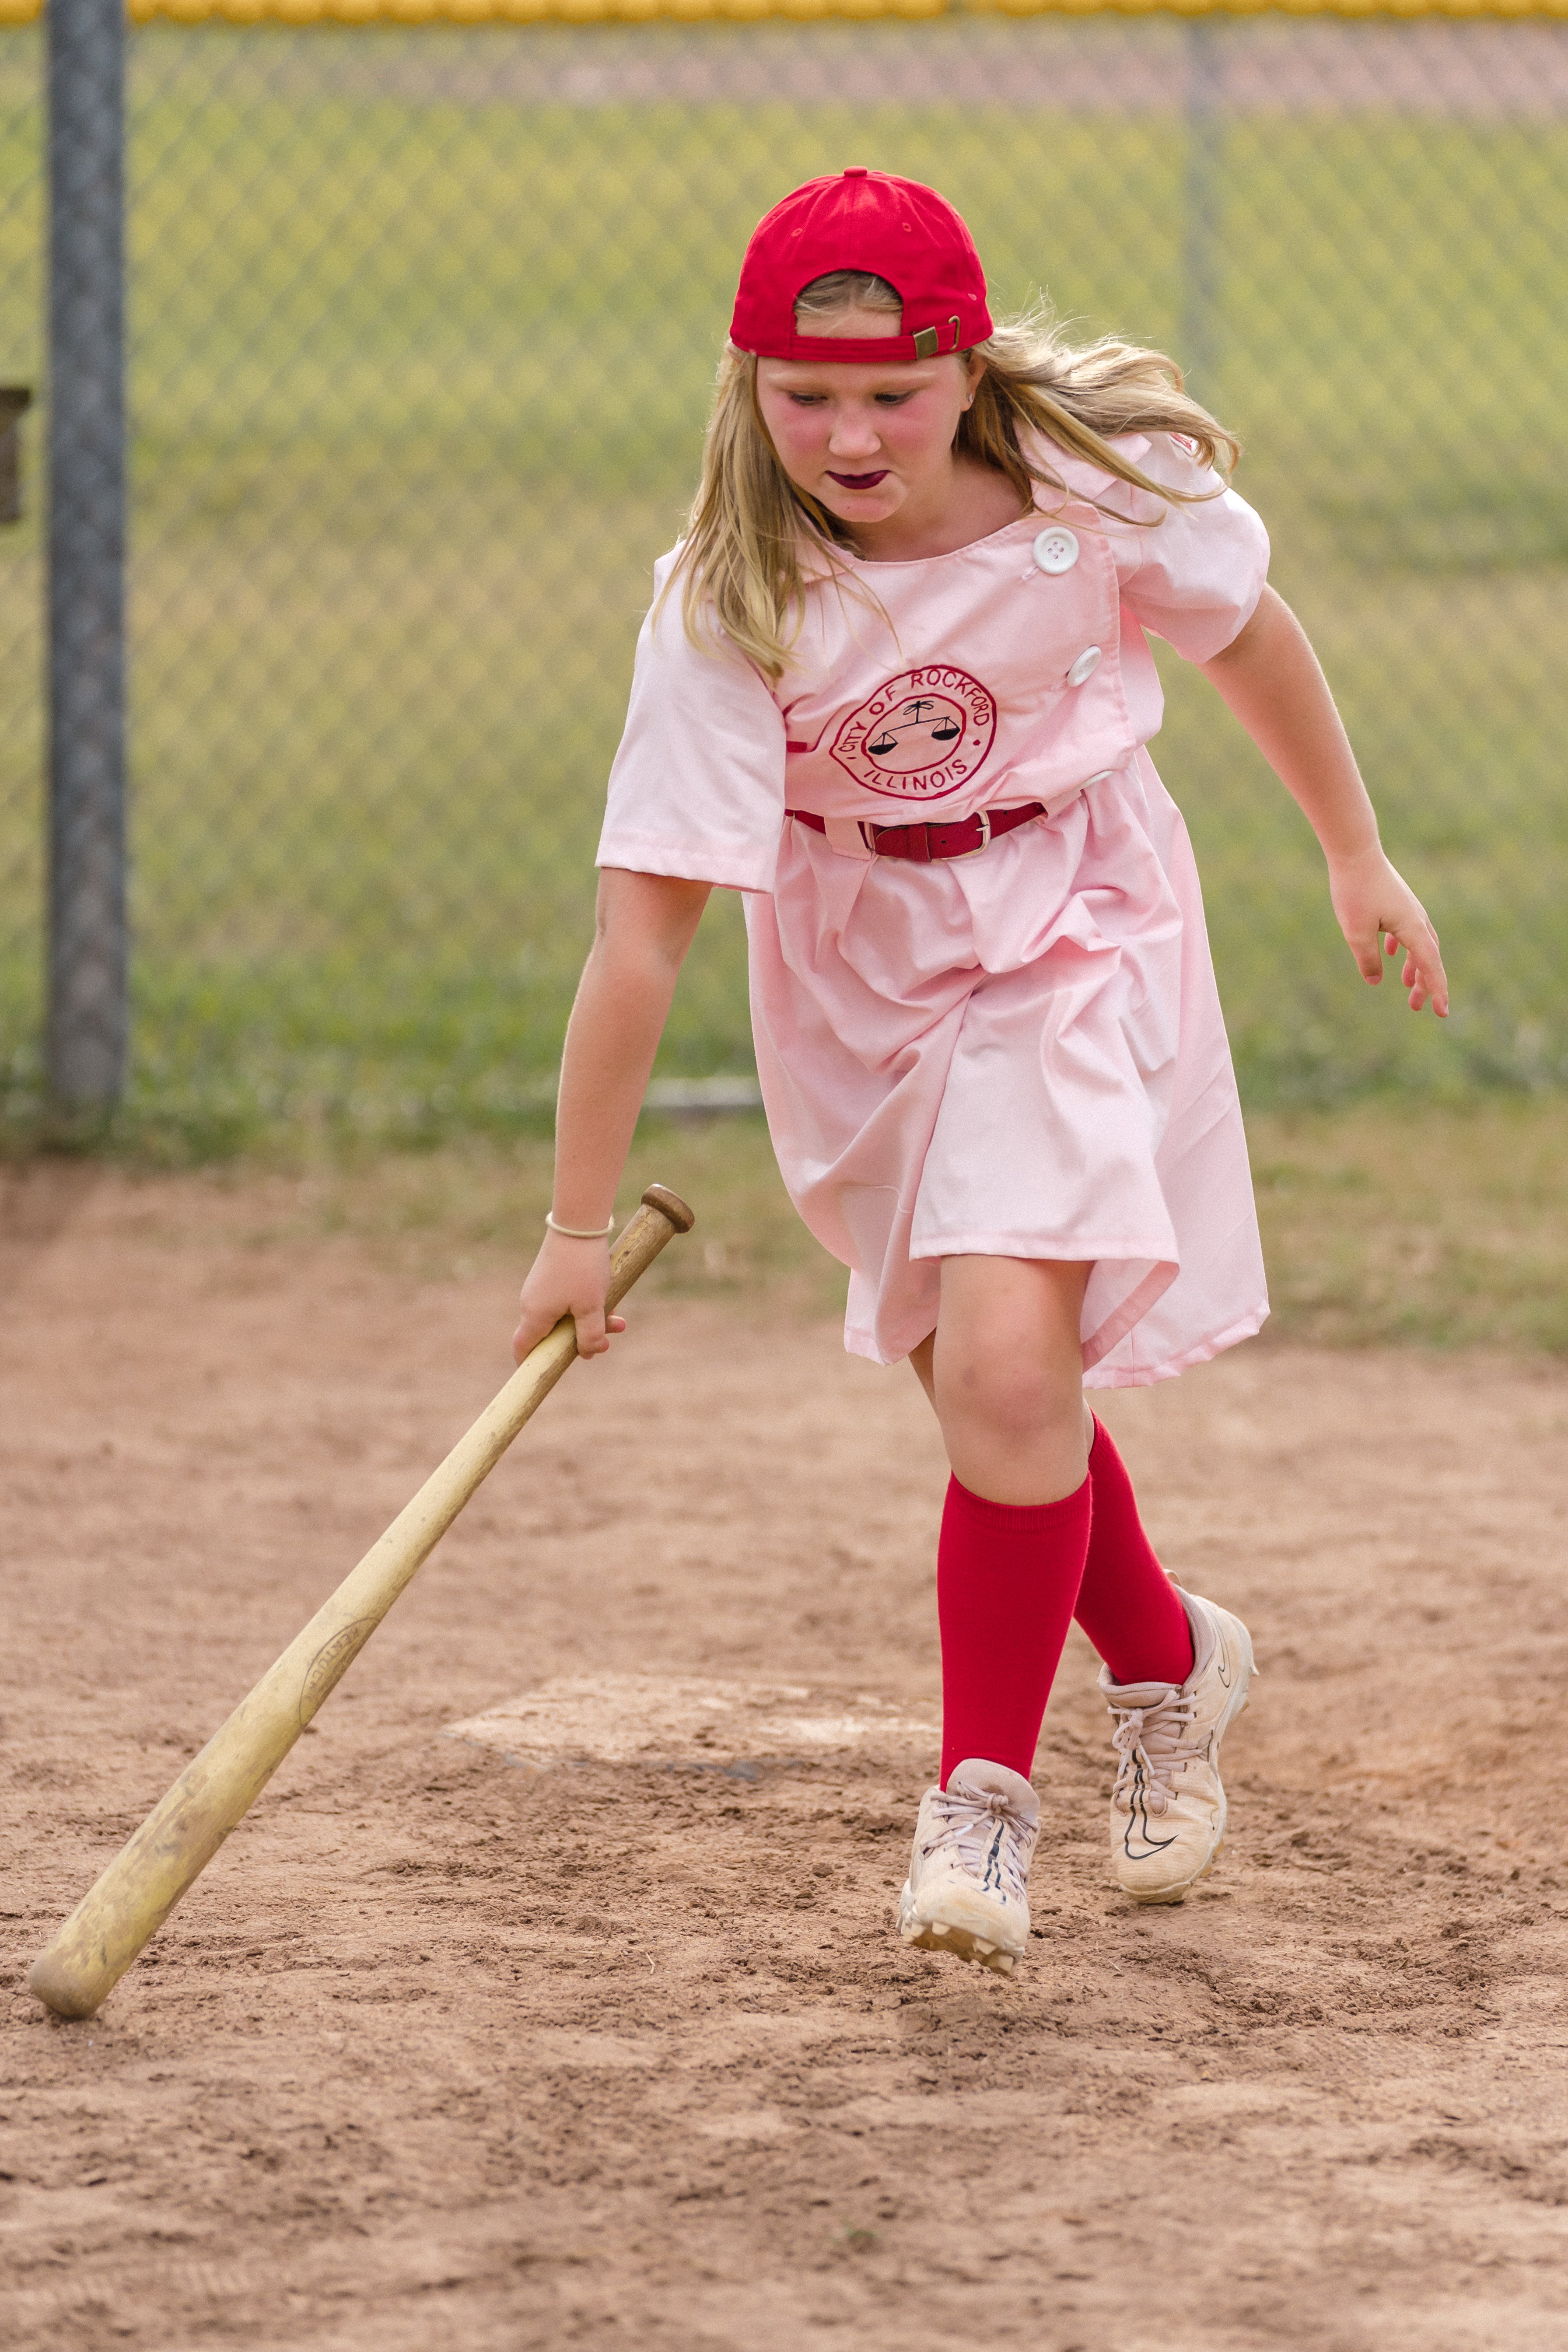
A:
991, 1878
1139, 1826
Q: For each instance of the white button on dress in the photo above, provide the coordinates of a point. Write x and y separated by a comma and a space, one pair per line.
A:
1084, 666
1056, 549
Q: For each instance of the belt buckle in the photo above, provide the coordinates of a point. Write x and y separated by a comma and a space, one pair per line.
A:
984, 840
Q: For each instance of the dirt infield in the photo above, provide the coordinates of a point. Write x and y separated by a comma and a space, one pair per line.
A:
443, 2052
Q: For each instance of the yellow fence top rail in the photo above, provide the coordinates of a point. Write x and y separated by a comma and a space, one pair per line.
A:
642, 12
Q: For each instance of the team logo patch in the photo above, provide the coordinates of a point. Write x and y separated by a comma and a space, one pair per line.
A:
920, 736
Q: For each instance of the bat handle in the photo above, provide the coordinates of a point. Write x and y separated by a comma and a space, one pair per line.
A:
663, 1213
670, 1204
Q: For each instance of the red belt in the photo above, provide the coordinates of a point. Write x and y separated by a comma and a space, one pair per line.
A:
925, 841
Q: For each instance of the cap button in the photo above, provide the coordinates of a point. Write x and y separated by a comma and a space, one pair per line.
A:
857, 171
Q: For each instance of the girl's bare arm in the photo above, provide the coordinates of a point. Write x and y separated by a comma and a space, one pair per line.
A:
646, 923
1270, 677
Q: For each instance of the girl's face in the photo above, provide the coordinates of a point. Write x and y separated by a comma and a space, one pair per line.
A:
869, 442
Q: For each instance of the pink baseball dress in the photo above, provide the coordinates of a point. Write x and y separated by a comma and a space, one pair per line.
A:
1019, 1053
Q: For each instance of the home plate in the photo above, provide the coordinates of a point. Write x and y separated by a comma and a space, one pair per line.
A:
685, 1719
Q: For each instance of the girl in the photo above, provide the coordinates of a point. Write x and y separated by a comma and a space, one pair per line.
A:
895, 686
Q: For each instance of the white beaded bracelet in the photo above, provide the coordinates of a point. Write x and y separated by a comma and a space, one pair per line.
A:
580, 1232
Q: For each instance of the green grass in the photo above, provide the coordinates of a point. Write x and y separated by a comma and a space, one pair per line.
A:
1390, 1223
1416, 1222
417, 380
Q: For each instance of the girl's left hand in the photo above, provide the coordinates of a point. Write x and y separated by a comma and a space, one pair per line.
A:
1375, 905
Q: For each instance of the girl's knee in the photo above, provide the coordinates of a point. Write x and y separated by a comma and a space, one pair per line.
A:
1023, 1403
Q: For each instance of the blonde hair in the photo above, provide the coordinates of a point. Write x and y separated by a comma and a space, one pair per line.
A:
747, 557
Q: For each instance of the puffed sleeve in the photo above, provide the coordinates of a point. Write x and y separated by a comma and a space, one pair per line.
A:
1195, 576
697, 788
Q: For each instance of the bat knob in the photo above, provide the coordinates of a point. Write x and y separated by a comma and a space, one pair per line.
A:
671, 1205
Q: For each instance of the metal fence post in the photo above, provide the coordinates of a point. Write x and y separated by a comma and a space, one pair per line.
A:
87, 947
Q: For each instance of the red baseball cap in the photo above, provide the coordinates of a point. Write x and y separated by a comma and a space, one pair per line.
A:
895, 229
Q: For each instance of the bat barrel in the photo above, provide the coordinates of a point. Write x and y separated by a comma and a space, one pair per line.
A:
135, 1894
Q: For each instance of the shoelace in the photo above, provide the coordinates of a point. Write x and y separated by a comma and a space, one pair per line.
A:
1156, 1740
992, 1842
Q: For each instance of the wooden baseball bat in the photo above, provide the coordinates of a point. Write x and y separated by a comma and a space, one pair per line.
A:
179, 1836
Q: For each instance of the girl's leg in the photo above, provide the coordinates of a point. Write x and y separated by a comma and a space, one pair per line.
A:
1127, 1604
1004, 1372
1176, 1677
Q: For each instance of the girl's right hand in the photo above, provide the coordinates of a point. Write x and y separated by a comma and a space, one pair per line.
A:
646, 923
567, 1277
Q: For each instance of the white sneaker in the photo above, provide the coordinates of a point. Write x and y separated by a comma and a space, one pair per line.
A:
968, 1887
1168, 1810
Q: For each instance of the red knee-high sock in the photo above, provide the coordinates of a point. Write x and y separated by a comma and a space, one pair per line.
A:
1126, 1603
1006, 1577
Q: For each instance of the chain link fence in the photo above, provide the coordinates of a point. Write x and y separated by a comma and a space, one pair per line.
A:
422, 324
